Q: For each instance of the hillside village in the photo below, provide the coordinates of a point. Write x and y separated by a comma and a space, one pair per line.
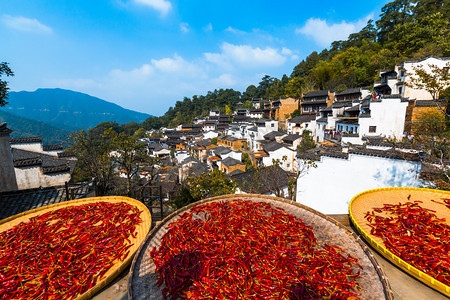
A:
368, 132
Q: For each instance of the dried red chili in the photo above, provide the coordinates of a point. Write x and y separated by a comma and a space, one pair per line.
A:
63, 253
416, 235
247, 250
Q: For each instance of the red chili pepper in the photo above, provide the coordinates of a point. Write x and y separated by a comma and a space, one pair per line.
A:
242, 249
416, 235
63, 253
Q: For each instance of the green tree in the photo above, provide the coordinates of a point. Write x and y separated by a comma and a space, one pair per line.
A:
94, 161
4, 71
294, 88
210, 184
307, 142
434, 81
130, 156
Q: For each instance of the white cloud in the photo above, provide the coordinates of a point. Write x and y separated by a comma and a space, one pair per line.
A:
324, 33
163, 6
25, 24
208, 27
234, 30
184, 27
224, 80
176, 65
247, 56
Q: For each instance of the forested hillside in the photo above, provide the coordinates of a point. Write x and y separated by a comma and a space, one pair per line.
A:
23, 127
406, 29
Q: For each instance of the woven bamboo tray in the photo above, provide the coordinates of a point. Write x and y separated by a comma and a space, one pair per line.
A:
370, 199
142, 231
142, 278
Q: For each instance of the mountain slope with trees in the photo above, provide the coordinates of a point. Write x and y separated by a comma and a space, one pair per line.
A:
67, 109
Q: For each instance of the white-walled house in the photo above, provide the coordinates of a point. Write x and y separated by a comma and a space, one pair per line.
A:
298, 124
387, 119
280, 152
393, 81
336, 180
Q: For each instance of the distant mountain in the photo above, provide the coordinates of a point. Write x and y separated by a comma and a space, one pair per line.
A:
23, 127
67, 109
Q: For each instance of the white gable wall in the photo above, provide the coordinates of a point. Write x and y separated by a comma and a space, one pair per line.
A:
330, 187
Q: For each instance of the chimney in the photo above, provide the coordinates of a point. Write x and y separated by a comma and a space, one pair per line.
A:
7, 174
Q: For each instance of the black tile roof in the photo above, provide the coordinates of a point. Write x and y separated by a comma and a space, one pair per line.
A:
27, 140
273, 134
291, 137
229, 161
52, 147
49, 164
322, 120
15, 202
302, 119
315, 94
273, 146
314, 102
349, 91
4, 130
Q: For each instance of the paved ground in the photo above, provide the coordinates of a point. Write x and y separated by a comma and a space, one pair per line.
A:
403, 285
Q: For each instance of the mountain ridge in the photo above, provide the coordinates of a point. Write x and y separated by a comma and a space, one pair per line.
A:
67, 109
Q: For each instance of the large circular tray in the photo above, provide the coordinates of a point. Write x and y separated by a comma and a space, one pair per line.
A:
142, 231
370, 199
142, 278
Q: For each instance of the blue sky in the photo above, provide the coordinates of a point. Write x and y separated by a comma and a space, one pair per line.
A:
147, 54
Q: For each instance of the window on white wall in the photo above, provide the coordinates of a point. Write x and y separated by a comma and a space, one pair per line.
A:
372, 129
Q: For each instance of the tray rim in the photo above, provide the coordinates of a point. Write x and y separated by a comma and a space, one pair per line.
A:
146, 224
409, 269
381, 275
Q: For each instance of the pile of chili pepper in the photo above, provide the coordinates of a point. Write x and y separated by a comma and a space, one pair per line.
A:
416, 235
249, 250
63, 253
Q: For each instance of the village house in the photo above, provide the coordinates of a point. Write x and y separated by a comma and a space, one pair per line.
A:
316, 100
298, 124
231, 165
27, 164
232, 142
281, 109
280, 153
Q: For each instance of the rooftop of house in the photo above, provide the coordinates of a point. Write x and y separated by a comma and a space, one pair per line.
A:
229, 161
273, 134
349, 92
272, 146
316, 94
26, 140
49, 164
4, 130
291, 138
302, 119
15, 202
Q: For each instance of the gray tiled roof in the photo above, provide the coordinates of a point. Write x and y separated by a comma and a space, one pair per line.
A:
302, 119
273, 146
315, 94
229, 161
27, 140
349, 91
49, 163
15, 202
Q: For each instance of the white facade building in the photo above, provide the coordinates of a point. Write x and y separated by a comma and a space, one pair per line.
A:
330, 187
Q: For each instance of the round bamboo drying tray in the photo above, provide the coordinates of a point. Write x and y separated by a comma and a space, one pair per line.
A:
142, 231
370, 199
142, 278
